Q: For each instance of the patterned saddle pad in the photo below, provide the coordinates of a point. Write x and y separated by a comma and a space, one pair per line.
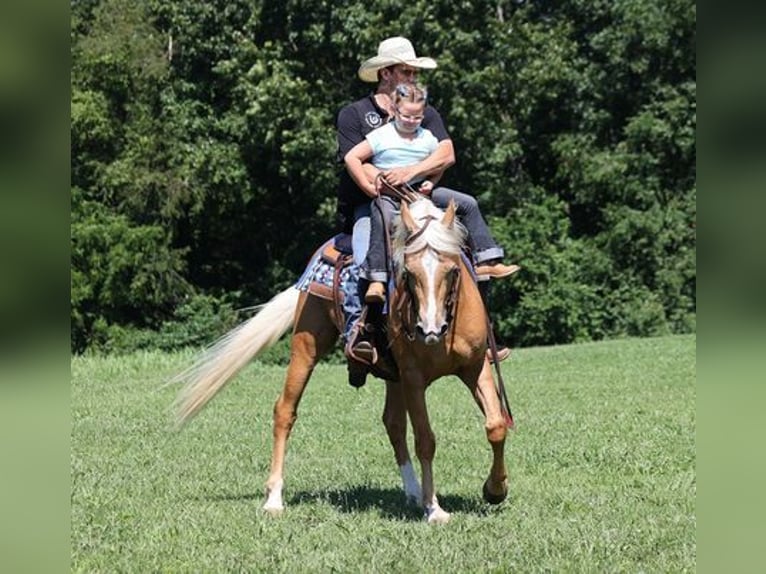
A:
319, 276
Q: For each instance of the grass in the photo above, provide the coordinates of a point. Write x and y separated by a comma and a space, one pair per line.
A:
602, 470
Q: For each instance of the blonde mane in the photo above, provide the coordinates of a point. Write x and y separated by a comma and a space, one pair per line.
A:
449, 240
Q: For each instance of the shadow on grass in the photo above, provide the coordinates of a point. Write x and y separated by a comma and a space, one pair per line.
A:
389, 502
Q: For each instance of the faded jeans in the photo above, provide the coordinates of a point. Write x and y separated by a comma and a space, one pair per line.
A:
483, 246
360, 241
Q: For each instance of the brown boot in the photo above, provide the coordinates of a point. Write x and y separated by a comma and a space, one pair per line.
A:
495, 270
376, 293
502, 354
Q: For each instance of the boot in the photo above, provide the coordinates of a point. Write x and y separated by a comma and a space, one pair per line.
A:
494, 270
376, 293
503, 353
357, 374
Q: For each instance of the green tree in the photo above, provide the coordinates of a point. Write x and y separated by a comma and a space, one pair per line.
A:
203, 134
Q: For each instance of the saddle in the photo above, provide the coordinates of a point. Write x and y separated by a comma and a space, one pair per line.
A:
326, 280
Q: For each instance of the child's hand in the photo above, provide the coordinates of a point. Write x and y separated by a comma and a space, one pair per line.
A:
426, 187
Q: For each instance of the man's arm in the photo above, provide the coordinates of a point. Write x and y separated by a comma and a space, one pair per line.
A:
434, 165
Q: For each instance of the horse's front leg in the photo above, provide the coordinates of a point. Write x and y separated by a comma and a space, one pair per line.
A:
395, 421
483, 389
425, 445
314, 335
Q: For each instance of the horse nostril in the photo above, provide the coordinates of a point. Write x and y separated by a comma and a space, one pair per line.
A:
431, 339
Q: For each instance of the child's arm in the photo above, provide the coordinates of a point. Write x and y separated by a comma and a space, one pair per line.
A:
362, 175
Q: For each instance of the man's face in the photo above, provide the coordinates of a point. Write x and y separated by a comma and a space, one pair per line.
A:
400, 74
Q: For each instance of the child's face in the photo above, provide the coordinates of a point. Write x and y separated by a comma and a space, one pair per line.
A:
409, 116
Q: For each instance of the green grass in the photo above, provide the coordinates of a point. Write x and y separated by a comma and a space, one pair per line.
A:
602, 470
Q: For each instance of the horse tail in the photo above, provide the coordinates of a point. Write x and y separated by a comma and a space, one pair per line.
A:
224, 359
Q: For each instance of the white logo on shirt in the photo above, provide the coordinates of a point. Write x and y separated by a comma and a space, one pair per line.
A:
373, 119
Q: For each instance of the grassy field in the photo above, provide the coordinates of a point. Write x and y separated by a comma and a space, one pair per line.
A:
602, 470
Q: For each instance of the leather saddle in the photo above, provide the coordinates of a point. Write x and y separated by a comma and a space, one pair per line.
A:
370, 329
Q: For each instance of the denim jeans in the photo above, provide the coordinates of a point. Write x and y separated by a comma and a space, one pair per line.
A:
360, 241
483, 246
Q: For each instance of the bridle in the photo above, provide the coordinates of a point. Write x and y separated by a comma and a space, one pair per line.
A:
407, 306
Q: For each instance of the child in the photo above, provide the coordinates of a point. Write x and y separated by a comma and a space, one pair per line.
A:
401, 143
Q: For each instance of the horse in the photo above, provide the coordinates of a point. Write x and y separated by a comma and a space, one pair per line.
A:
437, 326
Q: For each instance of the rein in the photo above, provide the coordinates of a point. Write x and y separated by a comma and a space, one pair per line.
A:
405, 192
420, 231
505, 406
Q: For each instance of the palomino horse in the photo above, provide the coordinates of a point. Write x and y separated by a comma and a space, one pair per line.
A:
437, 327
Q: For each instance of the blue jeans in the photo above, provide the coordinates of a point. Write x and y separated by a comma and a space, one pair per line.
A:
483, 246
360, 241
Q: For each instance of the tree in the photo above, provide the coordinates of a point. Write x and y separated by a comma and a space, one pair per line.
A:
203, 134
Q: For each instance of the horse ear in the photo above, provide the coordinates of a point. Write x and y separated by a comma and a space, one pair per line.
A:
449, 215
409, 223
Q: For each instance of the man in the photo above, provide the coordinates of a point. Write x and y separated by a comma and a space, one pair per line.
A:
396, 63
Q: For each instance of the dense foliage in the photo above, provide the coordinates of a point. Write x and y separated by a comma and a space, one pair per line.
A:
204, 172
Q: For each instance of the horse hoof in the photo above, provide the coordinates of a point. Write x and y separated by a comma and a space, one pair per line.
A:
273, 510
437, 516
493, 498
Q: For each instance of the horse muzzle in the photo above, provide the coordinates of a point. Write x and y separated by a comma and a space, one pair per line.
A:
431, 336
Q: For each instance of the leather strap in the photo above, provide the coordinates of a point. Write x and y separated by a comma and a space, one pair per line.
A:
505, 406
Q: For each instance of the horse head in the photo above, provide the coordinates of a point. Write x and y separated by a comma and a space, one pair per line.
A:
427, 256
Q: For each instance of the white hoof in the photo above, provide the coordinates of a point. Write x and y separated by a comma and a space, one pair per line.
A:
273, 510
435, 515
274, 504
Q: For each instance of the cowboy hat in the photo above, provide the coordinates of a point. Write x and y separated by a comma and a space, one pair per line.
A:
391, 51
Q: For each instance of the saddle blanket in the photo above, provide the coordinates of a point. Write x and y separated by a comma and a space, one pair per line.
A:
320, 273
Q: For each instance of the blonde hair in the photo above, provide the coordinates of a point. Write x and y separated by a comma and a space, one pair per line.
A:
414, 93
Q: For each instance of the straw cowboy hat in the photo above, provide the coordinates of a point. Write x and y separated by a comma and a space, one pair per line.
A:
393, 51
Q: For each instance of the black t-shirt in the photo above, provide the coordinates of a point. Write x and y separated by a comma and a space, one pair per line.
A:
353, 123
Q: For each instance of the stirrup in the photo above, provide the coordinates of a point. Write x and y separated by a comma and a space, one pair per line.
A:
364, 352
358, 347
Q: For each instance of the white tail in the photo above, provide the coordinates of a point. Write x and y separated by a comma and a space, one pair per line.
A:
234, 350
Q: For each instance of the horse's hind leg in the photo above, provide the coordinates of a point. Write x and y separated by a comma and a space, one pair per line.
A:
484, 393
395, 421
313, 337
